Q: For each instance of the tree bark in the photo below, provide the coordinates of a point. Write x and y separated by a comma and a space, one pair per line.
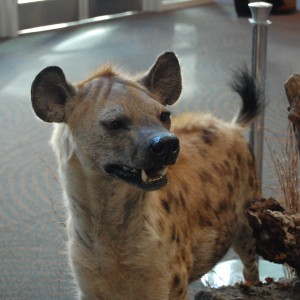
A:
292, 89
277, 232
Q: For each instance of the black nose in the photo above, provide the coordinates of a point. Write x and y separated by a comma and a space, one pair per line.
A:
165, 148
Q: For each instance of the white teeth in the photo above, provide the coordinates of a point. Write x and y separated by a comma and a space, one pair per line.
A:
163, 171
144, 176
132, 170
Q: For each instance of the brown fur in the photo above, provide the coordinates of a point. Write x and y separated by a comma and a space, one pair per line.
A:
126, 242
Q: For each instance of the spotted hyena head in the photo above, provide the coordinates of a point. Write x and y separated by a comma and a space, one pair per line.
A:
119, 126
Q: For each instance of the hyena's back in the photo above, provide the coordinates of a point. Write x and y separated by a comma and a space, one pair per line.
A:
213, 180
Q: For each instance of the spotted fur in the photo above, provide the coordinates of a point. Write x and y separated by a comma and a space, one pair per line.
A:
130, 242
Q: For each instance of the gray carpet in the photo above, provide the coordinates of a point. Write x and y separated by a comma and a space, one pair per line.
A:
210, 42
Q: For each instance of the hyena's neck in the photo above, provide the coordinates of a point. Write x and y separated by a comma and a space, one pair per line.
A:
101, 205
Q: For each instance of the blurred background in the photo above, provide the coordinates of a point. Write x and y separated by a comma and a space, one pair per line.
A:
211, 39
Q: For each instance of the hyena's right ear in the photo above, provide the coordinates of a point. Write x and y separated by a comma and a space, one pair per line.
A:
49, 93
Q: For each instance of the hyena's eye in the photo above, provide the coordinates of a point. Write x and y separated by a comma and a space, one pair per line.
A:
165, 116
114, 125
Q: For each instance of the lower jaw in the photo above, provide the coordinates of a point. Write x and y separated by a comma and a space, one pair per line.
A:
153, 185
150, 185
136, 179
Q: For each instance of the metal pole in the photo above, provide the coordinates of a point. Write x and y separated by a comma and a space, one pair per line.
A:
260, 12
9, 19
83, 7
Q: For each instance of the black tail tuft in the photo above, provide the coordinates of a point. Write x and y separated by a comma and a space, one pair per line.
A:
252, 105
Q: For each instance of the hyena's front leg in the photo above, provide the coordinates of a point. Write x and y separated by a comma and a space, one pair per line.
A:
245, 247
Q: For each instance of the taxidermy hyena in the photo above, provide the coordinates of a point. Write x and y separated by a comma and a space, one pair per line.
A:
143, 218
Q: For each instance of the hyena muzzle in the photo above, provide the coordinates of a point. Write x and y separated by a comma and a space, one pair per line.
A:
150, 206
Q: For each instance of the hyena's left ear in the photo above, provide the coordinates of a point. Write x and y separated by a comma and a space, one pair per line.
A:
164, 78
49, 94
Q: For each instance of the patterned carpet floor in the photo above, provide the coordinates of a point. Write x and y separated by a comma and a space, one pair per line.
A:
211, 41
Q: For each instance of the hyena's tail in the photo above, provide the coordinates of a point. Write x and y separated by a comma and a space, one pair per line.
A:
244, 84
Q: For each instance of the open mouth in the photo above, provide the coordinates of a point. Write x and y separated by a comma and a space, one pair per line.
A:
148, 179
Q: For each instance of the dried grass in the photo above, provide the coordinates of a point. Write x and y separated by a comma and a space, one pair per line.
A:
287, 168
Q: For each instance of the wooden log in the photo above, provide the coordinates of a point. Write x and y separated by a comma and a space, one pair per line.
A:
292, 89
277, 232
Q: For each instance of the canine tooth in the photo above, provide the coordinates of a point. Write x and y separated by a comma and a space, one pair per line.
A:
164, 171
144, 176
